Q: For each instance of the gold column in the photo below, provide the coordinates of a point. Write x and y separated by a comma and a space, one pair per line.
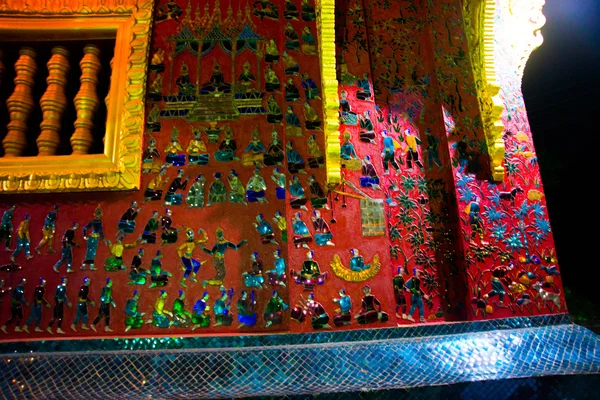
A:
53, 102
86, 100
20, 104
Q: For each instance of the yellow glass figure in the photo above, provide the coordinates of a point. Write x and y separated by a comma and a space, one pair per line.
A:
48, 232
186, 251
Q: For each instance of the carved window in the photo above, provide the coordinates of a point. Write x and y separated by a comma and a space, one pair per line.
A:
72, 89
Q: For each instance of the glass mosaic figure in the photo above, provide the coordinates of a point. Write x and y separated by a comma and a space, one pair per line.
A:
186, 251
149, 234
195, 196
312, 122
310, 274
311, 90
127, 222
264, 230
274, 114
158, 276
390, 145
183, 82
6, 227
35, 315
246, 80
92, 233
292, 127
348, 154
413, 285
254, 278
279, 178
309, 43
281, 222
168, 11
370, 178
277, 276
48, 232
156, 88
274, 154
347, 117
323, 234
290, 11
17, 301
106, 301
245, 309
218, 256
83, 299
499, 281
222, 308
301, 234
133, 318
154, 189
370, 310
398, 283
201, 315
255, 189
271, 52
237, 193
319, 317
114, 263
367, 130
318, 198
181, 317
137, 274
272, 83
254, 152
227, 148
315, 154
364, 91
343, 314
295, 161
473, 210
265, 9
169, 234
178, 184
292, 40
297, 194
196, 150
157, 60
217, 193
346, 76
216, 84
357, 262
152, 121
274, 310
67, 244
292, 93
58, 312
23, 240
308, 11
290, 64
160, 316
174, 150
411, 150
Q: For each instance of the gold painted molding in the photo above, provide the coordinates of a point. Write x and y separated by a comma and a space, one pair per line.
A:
119, 168
522, 21
329, 85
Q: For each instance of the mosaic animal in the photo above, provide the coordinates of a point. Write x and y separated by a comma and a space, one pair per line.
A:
546, 296
511, 195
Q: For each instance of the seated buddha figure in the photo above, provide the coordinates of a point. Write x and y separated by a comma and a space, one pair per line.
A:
186, 88
246, 79
174, 150
216, 83
196, 149
227, 148
310, 274
255, 151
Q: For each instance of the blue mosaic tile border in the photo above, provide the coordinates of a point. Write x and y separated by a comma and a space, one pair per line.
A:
221, 342
303, 369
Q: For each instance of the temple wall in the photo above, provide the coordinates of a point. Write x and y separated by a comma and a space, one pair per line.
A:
416, 58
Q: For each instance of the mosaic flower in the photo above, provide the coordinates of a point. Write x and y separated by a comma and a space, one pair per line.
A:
492, 214
514, 242
408, 182
523, 212
538, 209
463, 180
466, 194
498, 230
542, 225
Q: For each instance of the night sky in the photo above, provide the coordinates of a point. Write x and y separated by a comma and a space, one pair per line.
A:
561, 86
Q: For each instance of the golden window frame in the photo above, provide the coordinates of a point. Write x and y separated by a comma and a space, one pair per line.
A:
119, 167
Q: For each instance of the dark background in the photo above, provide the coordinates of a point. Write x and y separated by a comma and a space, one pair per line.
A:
561, 86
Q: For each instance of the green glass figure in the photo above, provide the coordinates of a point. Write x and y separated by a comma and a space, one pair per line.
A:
309, 44
274, 310
158, 276
160, 316
195, 196
169, 234
222, 307
181, 317
201, 316
217, 193
237, 193
106, 301
218, 256
133, 318
245, 309
114, 263
149, 234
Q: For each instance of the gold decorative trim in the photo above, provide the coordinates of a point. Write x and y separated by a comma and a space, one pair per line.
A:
329, 85
479, 22
119, 168
354, 276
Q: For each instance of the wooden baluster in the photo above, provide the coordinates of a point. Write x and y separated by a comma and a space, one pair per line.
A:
20, 104
53, 102
86, 101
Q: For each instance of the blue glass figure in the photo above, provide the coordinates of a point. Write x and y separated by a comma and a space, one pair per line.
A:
277, 276
264, 230
311, 90
6, 227
200, 313
323, 234
245, 309
172, 197
343, 316
357, 262
301, 234
254, 278
295, 161
297, 194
